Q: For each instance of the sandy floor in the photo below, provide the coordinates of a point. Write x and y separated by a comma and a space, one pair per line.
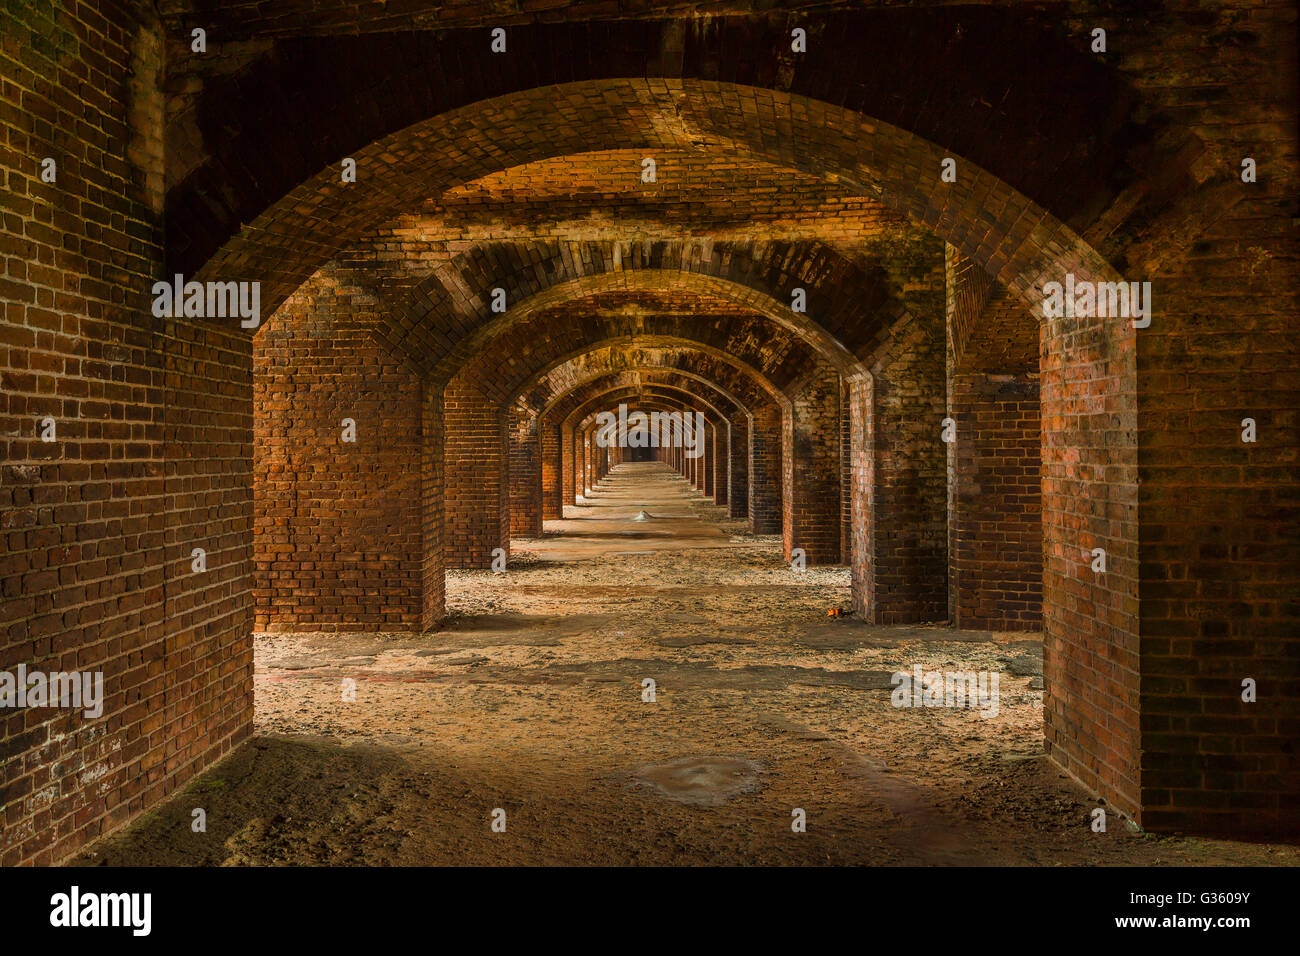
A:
531, 701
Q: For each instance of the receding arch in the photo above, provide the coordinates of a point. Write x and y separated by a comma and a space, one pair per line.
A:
682, 349
1025, 247
647, 280
648, 371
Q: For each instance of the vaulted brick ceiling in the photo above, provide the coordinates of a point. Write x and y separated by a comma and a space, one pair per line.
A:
688, 388
744, 342
392, 101
711, 374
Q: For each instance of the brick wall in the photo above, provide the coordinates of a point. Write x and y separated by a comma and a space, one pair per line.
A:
568, 465
738, 468
860, 403
994, 472
905, 550
552, 468
155, 448
1219, 518
810, 437
151, 451
477, 499
525, 472
709, 459
997, 533
433, 565
846, 472
766, 471
337, 524
1089, 500
721, 462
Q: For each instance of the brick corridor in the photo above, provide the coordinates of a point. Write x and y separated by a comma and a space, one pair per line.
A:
313, 314
532, 701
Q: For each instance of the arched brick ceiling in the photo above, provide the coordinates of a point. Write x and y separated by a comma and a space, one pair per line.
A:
717, 367
688, 383
433, 292
631, 395
599, 195
446, 320
508, 364
779, 218
584, 415
293, 107
321, 216
648, 365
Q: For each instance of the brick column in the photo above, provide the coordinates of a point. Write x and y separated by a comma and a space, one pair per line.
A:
908, 492
552, 476
765, 470
811, 467
525, 475
1091, 711
721, 462
477, 501
588, 463
738, 468
572, 464
432, 525
862, 465
997, 523
337, 542
709, 459
1220, 524
846, 473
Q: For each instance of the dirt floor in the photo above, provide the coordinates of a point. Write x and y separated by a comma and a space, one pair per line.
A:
531, 702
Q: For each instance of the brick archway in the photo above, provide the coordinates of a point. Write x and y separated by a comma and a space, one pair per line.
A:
1068, 180
593, 462
1141, 718
555, 424
1024, 247
478, 452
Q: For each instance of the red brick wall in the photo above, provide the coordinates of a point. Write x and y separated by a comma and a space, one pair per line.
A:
738, 468
997, 529
337, 524
525, 475
846, 473
589, 478
995, 507
766, 471
862, 475
709, 460
477, 501
810, 438
721, 462
155, 451
906, 545
433, 569
552, 468
1089, 499
568, 465
1220, 518
151, 456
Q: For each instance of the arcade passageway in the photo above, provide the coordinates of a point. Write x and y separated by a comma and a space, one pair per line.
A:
531, 700
343, 343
